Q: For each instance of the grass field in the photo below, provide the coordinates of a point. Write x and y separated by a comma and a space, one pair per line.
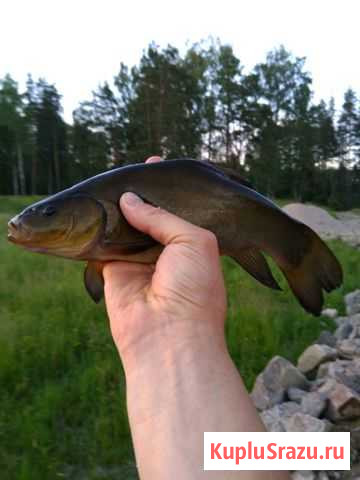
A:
62, 389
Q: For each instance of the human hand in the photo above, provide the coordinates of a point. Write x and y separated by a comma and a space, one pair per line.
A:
181, 297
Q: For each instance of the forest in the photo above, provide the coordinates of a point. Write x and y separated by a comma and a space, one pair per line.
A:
201, 104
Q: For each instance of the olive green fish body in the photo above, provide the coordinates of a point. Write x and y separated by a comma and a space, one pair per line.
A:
87, 217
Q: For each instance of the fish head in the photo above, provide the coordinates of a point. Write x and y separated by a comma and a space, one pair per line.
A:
67, 226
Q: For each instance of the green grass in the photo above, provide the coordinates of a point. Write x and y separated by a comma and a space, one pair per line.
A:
62, 388
14, 204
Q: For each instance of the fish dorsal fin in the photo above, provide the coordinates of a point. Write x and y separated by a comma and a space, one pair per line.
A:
94, 281
230, 173
256, 265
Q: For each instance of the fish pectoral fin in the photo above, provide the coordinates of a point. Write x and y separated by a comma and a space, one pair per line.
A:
254, 262
94, 281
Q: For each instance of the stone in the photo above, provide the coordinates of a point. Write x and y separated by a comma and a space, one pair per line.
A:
352, 302
318, 382
303, 475
323, 371
301, 422
295, 394
271, 421
340, 320
344, 330
330, 312
314, 355
322, 476
274, 417
326, 338
343, 402
349, 348
271, 385
348, 328
344, 371
313, 403
355, 322
352, 426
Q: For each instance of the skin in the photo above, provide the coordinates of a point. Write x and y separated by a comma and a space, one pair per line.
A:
167, 322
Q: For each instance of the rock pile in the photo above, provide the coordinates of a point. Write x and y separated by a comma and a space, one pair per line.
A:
321, 393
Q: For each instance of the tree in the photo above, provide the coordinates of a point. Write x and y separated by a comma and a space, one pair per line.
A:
14, 130
50, 137
165, 114
228, 78
348, 128
108, 112
282, 88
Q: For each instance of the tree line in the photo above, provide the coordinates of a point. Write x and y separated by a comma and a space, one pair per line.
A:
201, 104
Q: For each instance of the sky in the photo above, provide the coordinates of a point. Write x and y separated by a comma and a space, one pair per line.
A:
78, 44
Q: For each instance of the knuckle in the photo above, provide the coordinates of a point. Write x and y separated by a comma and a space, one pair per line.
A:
209, 241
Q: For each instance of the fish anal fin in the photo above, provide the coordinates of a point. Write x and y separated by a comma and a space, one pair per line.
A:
254, 262
94, 281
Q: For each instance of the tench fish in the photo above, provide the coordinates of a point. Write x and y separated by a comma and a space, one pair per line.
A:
84, 222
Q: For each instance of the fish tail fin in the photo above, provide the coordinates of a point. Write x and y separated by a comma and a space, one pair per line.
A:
316, 270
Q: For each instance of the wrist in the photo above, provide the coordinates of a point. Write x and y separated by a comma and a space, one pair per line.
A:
160, 378
171, 340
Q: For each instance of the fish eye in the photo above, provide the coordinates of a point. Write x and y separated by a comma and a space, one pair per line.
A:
49, 211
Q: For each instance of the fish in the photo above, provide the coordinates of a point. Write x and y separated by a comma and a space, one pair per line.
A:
84, 222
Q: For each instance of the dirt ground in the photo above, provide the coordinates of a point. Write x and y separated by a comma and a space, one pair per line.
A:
345, 226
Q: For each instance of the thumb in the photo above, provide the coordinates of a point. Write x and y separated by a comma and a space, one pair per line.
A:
161, 225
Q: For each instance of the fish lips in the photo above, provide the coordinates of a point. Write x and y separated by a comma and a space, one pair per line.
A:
16, 232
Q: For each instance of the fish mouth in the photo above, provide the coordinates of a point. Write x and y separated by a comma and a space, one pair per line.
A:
15, 232
19, 234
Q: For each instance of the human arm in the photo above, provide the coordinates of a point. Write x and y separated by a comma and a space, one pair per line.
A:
168, 324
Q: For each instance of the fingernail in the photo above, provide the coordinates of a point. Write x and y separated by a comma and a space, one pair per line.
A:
131, 199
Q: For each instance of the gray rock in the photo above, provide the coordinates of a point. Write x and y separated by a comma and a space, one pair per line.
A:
303, 475
317, 383
274, 417
352, 426
352, 302
271, 385
301, 422
295, 394
330, 312
348, 328
323, 371
344, 371
349, 348
340, 320
314, 355
343, 402
344, 330
355, 322
322, 476
326, 338
314, 404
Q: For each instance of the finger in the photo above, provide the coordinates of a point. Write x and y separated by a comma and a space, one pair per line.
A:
124, 280
154, 159
158, 223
